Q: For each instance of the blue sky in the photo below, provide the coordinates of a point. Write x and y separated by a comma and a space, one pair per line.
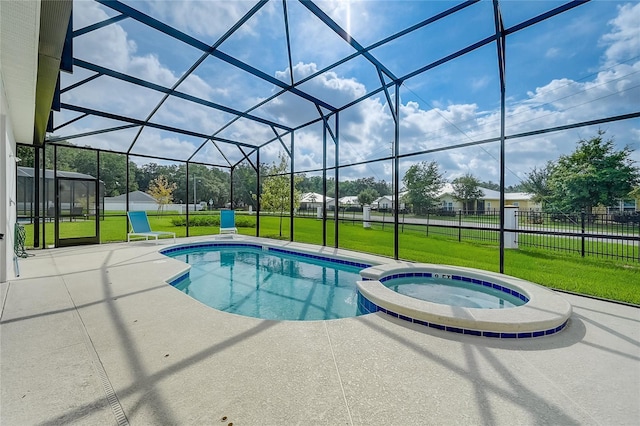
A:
581, 65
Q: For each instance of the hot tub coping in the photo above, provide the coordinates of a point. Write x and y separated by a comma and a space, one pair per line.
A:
545, 313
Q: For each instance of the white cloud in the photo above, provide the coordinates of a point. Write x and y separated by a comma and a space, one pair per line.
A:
203, 18
552, 52
624, 40
480, 82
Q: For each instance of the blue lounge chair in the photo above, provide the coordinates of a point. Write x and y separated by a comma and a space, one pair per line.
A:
228, 222
140, 227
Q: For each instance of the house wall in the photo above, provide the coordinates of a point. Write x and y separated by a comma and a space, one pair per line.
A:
525, 204
521, 204
447, 202
8, 180
310, 206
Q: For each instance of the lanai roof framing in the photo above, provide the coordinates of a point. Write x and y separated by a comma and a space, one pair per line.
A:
325, 109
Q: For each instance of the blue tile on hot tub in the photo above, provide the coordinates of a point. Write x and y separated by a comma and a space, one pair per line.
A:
438, 326
508, 335
404, 317
538, 333
524, 335
417, 321
490, 334
473, 332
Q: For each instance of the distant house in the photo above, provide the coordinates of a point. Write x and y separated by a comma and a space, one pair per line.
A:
138, 201
624, 206
349, 201
387, 203
312, 200
489, 201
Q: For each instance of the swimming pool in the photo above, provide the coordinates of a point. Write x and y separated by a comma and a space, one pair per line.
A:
269, 282
542, 313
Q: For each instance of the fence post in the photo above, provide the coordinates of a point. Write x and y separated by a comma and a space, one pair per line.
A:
366, 216
511, 222
459, 225
582, 216
427, 223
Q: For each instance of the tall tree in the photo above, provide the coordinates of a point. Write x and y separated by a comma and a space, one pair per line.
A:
595, 173
244, 185
466, 188
161, 190
113, 172
490, 185
423, 182
537, 183
276, 189
367, 196
26, 154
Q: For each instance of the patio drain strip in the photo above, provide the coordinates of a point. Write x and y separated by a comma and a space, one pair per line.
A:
110, 393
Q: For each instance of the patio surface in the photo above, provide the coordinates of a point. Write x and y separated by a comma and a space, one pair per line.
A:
94, 335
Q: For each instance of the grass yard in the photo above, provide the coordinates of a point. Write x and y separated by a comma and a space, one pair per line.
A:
609, 279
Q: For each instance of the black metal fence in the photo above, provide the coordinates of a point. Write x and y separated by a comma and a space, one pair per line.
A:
613, 236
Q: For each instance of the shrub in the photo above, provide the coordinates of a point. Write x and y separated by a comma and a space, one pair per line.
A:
626, 217
201, 220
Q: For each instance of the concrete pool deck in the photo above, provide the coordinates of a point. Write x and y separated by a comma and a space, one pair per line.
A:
94, 335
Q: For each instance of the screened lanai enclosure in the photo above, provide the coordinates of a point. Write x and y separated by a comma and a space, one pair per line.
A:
77, 196
248, 105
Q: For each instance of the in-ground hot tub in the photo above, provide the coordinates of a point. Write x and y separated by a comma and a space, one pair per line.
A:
541, 312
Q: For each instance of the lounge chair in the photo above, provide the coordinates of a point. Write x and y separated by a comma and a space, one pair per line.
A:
140, 227
228, 222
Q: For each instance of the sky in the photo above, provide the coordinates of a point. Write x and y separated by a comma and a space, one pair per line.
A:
581, 65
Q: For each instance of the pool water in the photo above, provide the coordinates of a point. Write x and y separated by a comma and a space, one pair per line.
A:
453, 292
252, 282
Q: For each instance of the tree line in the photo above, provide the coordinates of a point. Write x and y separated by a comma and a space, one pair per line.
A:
595, 173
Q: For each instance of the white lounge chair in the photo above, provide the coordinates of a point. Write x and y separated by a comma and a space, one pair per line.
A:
228, 222
140, 227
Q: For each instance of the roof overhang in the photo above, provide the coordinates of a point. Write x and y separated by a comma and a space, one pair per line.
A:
32, 35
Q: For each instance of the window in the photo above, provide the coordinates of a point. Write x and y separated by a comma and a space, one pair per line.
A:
629, 205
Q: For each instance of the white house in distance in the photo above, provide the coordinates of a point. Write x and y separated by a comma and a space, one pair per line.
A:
349, 201
387, 202
489, 201
140, 201
312, 200
344, 202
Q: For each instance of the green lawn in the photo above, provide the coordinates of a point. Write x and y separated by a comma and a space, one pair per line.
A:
610, 279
